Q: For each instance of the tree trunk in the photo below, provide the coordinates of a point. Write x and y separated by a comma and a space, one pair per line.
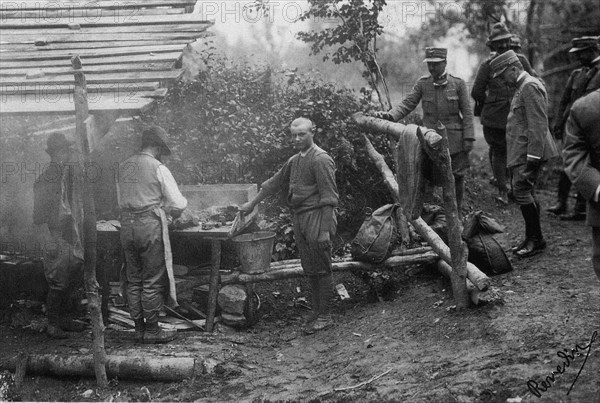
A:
167, 369
89, 228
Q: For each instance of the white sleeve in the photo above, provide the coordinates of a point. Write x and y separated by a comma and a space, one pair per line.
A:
173, 197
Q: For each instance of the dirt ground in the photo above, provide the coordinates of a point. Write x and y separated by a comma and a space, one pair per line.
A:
424, 350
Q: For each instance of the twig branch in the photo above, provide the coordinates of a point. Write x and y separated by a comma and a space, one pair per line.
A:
360, 385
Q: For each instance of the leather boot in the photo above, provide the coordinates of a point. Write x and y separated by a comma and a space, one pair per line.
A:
314, 300
155, 335
324, 320
534, 241
53, 307
564, 186
578, 213
140, 328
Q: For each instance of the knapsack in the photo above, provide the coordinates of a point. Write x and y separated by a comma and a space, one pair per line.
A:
375, 237
485, 251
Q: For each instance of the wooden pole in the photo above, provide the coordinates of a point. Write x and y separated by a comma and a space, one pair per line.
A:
432, 143
166, 369
213, 288
458, 248
293, 269
89, 227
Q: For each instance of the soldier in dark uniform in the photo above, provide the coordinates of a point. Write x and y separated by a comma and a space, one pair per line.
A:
581, 155
581, 81
492, 96
444, 98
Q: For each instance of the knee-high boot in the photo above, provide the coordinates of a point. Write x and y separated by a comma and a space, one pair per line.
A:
564, 186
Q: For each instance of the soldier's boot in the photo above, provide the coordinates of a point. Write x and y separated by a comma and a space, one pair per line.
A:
578, 213
314, 301
534, 241
140, 328
53, 307
564, 186
324, 320
155, 335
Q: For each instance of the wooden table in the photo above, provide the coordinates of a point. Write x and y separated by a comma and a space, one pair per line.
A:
216, 236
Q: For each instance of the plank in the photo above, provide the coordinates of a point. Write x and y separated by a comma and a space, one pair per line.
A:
110, 68
57, 13
14, 105
50, 91
169, 28
90, 60
75, 46
90, 5
77, 37
96, 78
124, 20
66, 54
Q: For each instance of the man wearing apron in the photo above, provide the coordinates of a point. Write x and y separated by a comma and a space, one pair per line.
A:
145, 190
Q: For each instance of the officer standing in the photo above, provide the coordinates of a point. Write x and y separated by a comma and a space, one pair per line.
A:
492, 96
581, 81
444, 98
529, 144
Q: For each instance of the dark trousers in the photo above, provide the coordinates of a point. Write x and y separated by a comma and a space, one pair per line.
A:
596, 250
496, 139
315, 258
523, 184
141, 240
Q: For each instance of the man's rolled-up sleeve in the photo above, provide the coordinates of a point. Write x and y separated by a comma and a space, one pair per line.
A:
173, 197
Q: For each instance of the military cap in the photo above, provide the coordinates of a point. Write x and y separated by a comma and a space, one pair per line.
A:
499, 32
501, 62
515, 41
435, 55
156, 135
585, 42
56, 142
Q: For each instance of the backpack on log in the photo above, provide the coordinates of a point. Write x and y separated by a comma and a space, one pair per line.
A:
485, 251
375, 237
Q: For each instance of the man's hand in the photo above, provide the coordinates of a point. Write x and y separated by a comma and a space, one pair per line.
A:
246, 208
176, 213
532, 166
383, 115
468, 145
324, 240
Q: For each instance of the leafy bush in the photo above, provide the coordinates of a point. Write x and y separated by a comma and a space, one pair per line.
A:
230, 125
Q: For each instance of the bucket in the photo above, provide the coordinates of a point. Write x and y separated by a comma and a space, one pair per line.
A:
254, 251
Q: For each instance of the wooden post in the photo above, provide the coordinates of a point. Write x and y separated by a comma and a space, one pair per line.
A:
432, 145
89, 227
458, 249
213, 290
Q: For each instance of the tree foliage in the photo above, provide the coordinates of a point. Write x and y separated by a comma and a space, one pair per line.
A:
350, 35
230, 125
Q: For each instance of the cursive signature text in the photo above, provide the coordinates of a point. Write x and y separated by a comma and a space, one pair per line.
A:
568, 356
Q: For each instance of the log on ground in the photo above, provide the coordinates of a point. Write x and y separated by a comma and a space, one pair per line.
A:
157, 368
